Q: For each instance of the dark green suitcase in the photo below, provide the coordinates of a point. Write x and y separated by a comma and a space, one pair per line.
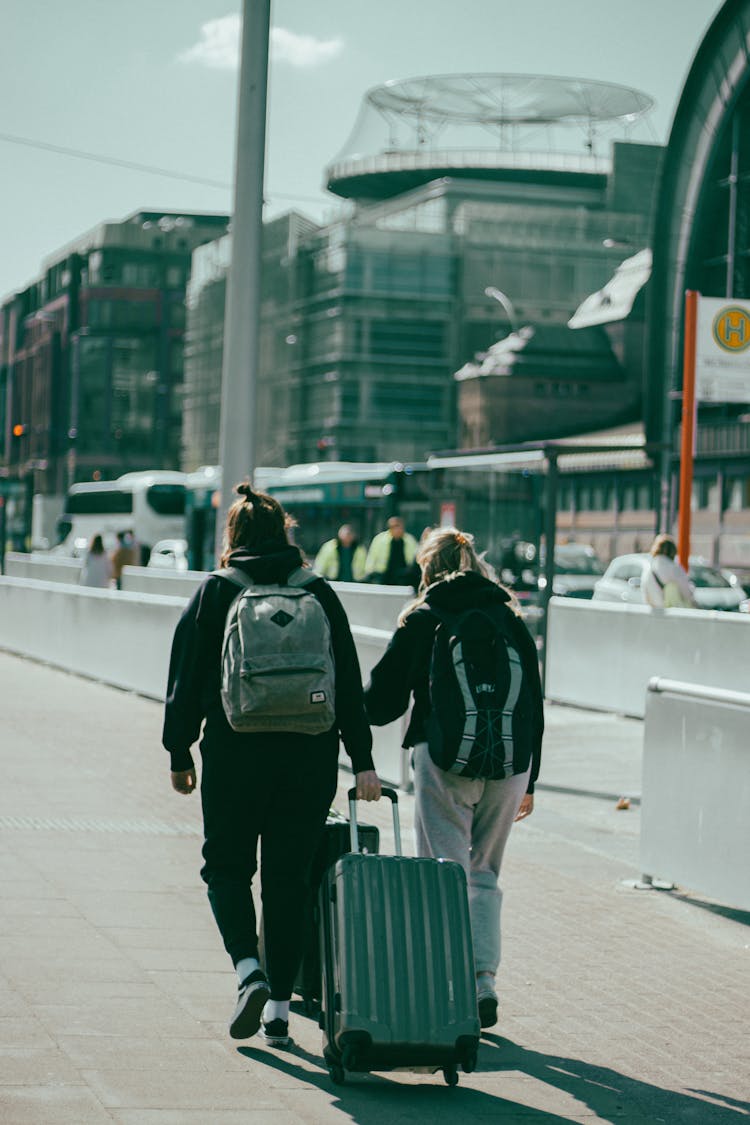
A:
398, 966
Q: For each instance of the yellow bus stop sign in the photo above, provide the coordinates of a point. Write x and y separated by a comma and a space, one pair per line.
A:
731, 329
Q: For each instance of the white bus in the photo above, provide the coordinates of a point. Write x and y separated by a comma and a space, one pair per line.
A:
150, 504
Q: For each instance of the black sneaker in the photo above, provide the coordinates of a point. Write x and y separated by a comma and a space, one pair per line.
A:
275, 1033
253, 994
487, 1004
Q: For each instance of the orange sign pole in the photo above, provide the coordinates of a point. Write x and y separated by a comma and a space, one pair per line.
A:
687, 444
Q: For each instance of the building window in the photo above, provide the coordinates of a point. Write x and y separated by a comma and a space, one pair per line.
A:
91, 377
349, 400
565, 496
121, 314
738, 494
583, 498
627, 498
601, 496
140, 275
390, 272
405, 402
94, 267
420, 339
176, 314
643, 496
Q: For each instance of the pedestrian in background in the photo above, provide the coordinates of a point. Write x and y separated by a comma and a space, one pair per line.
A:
664, 583
124, 554
459, 813
97, 568
342, 559
274, 786
391, 555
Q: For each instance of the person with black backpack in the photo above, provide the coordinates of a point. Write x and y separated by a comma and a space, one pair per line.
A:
463, 652
263, 659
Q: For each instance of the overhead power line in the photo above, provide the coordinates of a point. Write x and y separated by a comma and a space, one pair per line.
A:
135, 166
99, 158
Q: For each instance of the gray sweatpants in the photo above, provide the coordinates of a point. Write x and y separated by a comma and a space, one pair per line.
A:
468, 820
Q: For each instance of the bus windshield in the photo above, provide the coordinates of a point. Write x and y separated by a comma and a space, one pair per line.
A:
167, 499
99, 503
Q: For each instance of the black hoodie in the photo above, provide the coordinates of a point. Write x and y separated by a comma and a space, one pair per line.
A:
194, 685
405, 666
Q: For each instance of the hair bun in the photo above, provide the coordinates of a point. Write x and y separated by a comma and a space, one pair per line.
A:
246, 490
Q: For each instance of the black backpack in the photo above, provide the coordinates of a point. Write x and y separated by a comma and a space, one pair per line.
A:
479, 696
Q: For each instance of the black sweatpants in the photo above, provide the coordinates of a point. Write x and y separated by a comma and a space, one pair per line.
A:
277, 788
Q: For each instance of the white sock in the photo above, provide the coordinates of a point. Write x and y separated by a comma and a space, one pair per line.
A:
245, 967
276, 1010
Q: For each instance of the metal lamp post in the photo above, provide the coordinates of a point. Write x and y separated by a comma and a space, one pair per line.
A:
242, 319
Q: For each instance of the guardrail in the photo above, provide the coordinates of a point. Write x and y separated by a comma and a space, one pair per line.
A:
409, 159
695, 811
602, 655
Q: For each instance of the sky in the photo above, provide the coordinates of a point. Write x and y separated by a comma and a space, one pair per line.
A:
156, 84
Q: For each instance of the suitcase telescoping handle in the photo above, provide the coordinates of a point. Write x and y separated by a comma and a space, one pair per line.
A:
353, 832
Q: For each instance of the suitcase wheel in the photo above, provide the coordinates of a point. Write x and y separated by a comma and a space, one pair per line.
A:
349, 1059
338, 1074
469, 1062
450, 1074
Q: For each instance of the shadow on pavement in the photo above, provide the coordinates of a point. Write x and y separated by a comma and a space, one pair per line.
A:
609, 1095
730, 912
371, 1099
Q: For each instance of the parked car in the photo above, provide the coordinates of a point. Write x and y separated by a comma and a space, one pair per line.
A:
741, 581
621, 582
577, 570
169, 554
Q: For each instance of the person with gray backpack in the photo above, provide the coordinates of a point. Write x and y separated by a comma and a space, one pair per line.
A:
475, 727
263, 660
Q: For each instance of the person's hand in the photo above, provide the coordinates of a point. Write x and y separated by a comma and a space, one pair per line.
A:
368, 786
526, 807
184, 781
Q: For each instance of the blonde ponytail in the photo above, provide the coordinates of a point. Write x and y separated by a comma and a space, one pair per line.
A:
444, 554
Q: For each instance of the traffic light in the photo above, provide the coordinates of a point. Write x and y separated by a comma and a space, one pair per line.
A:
19, 429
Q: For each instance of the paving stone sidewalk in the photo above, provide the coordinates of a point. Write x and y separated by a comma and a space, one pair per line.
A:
616, 1005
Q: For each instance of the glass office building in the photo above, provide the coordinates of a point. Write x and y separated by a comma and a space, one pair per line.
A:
366, 320
91, 353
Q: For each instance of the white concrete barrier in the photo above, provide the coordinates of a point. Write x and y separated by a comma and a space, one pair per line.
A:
390, 760
42, 566
123, 638
158, 580
376, 607
118, 638
602, 655
695, 813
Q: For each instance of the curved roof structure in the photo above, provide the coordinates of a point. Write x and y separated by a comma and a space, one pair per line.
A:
706, 157
411, 131
504, 99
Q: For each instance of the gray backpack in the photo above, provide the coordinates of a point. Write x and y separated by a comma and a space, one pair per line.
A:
277, 670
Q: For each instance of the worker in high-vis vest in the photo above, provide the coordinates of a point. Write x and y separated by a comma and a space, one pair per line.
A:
342, 559
390, 559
